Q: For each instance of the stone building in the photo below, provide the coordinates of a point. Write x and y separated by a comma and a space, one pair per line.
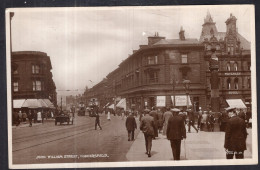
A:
32, 76
157, 71
234, 56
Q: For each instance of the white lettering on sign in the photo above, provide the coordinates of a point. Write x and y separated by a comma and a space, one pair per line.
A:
233, 74
161, 101
233, 92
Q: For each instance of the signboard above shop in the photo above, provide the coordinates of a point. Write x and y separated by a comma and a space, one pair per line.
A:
181, 100
160, 101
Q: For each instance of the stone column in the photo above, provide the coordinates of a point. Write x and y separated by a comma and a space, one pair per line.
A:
214, 67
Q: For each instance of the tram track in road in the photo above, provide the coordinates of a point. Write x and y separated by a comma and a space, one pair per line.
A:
71, 134
54, 130
48, 133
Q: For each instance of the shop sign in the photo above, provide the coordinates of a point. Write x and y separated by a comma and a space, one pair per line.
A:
160, 101
233, 92
233, 74
182, 100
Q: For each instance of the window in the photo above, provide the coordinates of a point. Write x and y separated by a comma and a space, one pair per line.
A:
235, 66
217, 47
249, 66
236, 83
15, 86
248, 83
153, 77
37, 85
228, 83
35, 69
152, 60
184, 58
228, 66
209, 47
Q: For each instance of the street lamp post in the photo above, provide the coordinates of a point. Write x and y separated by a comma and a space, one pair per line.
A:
186, 84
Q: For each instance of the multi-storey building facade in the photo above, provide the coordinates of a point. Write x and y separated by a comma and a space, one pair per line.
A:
32, 76
159, 69
155, 68
234, 56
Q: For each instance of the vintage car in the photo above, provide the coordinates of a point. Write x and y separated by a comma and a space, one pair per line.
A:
64, 118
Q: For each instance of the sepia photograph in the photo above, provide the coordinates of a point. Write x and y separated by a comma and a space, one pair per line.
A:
131, 86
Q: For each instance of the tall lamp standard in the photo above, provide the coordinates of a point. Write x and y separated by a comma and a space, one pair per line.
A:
186, 84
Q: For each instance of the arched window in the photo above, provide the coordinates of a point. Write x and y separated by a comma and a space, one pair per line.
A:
228, 66
236, 83
228, 83
235, 66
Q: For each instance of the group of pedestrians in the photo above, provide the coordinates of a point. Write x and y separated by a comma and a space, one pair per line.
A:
38, 115
174, 129
174, 121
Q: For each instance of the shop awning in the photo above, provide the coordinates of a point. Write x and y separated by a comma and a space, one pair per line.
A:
49, 103
181, 100
122, 103
42, 103
18, 103
111, 106
236, 103
32, 103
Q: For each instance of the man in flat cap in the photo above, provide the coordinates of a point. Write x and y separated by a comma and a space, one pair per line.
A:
235, 136
147, 126
175, 133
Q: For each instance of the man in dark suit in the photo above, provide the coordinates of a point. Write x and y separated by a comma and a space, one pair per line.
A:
155, 116
175, 133
147, 126
97, 122
235, 137
130, 124
191, 120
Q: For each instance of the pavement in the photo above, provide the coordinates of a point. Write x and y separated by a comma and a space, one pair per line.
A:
197, 146
26, 124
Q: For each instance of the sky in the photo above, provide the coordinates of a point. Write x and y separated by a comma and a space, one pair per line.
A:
86, 44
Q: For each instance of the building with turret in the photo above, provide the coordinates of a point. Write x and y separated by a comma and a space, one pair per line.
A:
234, 59
156, 72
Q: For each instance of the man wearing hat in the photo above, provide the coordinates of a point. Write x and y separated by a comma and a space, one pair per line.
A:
155, 116
235, 136
147, 126
175, 133
191, 120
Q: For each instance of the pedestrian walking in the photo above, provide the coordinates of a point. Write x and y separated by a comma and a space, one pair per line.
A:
154, 114
108, 115
175, 133
166, 117
191, 120
203, 122
160, 120
20, 116
16, 118
97, 122
30, 117
147, 126
210, 122
199, 118
235, 136
39, 116
24, 116
130, 124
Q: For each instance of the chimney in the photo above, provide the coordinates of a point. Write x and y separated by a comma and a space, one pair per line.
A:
156, 38
181, 34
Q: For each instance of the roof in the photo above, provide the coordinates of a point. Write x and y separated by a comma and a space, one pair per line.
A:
177, 41
244, 43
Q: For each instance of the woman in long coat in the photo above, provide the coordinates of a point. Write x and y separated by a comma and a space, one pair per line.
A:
166, 117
